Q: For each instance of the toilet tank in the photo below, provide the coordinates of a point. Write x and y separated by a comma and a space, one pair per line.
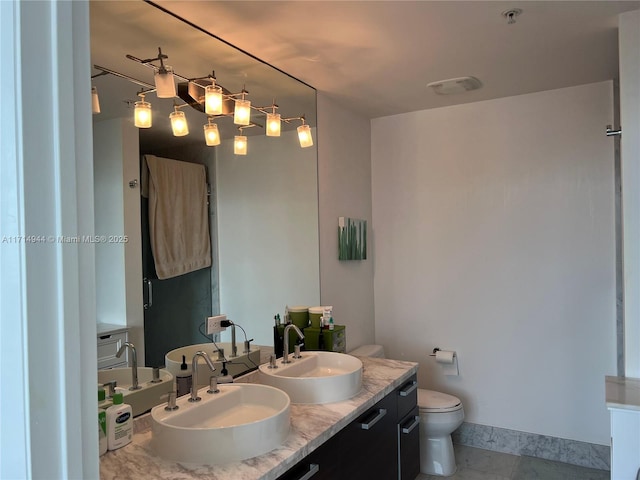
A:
369, 351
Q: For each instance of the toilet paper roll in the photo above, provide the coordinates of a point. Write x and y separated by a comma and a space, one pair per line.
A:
445, 356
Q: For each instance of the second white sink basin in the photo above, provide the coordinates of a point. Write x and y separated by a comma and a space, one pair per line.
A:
317, 377
241, 421
235, 366
145, 398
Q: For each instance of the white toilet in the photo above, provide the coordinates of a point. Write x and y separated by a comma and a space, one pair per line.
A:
440, 415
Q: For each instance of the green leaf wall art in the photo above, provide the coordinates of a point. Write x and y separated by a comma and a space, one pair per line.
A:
352, 239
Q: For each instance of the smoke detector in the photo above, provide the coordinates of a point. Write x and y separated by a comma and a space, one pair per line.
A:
455, 85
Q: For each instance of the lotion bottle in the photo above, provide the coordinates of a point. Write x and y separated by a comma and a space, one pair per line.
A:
119, 423
184, 379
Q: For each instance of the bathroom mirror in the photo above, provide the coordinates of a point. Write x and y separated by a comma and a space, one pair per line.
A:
263, 206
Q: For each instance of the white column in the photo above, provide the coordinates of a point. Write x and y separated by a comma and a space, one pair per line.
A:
629, 51
47, 317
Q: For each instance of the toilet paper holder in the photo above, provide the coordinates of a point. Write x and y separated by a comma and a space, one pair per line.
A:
438, 350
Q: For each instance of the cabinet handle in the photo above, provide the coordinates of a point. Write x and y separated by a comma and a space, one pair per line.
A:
381, 413
409, 429
313, 469
150, 293
407, 390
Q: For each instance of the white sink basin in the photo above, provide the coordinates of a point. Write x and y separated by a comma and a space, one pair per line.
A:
236, 365
317, 377
240, 422
148, 396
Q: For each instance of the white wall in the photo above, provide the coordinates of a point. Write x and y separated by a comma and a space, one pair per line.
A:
254, 194
629, 41
344, 177
494, 237
118, 265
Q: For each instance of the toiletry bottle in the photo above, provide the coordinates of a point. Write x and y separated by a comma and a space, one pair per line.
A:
102, 424
331, 323
184, 379
119, 423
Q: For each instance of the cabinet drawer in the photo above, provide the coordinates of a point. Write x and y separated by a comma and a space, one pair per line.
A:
407, 395
108, 346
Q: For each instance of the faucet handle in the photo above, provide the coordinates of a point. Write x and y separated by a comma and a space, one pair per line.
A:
156, 375
213, 385
111, 387
171, 401
272, 361
296, 351
247, 345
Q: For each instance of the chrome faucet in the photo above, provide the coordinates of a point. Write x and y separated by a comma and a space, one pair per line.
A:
134, 364
194, 373
285, 354
234, 347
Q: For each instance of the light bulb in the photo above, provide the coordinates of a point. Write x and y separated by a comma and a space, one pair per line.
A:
242, 112
211, 135
165, 85
240, 145
304, 136
213, 100
142, 117
179, 124
273, 124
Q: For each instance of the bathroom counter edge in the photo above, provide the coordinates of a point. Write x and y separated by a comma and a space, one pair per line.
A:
311, 426
622, 392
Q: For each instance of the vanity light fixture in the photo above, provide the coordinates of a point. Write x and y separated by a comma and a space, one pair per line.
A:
304, 135
163, 77
95, 101
213, 102
273, 123
213, 99
242, 111
142, 116
240, 144
179, 123
211, 134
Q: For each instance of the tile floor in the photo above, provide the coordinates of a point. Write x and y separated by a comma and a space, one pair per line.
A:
478, 464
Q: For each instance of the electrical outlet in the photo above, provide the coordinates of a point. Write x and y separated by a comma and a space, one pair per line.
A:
214, 324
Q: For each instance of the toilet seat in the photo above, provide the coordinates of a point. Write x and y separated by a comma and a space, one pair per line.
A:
430, 401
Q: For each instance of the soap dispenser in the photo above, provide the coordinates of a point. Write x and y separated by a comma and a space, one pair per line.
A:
184, 379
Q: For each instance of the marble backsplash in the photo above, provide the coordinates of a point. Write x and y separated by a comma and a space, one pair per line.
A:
533, 445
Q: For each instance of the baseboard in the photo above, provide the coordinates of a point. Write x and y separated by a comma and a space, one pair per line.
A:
542, 446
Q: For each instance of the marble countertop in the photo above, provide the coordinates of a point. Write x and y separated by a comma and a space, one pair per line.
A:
311, 426
623, 392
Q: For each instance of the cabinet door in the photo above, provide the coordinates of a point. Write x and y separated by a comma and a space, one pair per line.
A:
369, 444
409, 442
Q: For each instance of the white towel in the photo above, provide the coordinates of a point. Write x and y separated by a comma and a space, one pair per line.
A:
178, 216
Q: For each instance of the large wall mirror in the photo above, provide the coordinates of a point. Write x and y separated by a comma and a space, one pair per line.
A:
262, 207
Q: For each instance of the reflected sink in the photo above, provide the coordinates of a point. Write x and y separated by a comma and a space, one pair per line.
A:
145, 398
317, 377
241, 421
235, 365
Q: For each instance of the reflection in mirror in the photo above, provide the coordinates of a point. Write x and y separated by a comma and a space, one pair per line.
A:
262, 206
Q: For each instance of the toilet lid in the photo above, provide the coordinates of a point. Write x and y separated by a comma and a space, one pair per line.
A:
431, 401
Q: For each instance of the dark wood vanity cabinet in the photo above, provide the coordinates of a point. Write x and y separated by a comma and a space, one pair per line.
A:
381, 444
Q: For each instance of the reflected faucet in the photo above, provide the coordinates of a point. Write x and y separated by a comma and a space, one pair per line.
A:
285, 354
194, 373
134, 364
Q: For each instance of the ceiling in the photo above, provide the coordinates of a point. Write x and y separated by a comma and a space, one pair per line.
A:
376, 57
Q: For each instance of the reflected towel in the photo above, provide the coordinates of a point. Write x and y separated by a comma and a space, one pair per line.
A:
178, 216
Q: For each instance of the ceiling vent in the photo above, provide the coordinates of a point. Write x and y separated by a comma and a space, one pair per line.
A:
455, 85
